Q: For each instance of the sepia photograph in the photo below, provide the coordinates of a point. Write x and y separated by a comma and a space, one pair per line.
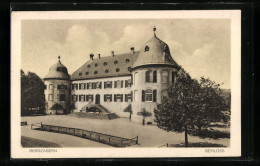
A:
125, 84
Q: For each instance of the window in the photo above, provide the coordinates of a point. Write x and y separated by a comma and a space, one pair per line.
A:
50, 97
89, 98
58, 69
149, 95
165, 76
127, 83
80, 74
62, 97
87, 73
74, 98
95, 72
75, 86
129, 68
51, 87
99, 85
146, 48
117, 69
82, 86
88, 66
96, 65
148, 76
108, 84
127, 60
154, 76
105, 63
107, 97
115, 62
118, 97
128, 97
106, 71
81, 97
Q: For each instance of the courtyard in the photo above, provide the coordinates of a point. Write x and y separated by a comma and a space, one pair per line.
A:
149, 135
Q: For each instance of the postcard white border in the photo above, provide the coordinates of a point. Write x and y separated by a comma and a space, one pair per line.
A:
235, 138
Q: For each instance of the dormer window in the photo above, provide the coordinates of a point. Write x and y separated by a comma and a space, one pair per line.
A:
96, 65
129, 68
106, 71
58, 69
127, 60
117, 69
88, 66
95, 72
80, 74
105, 63
146, 48
115, 62
87, 73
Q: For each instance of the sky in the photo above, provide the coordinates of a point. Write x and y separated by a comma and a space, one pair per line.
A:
201, 46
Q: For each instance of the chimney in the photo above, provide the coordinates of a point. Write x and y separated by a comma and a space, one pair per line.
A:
98, 56
91, 56
113, 53
132, 50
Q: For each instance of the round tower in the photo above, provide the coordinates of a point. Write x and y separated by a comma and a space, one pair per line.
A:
57, 91
153, 71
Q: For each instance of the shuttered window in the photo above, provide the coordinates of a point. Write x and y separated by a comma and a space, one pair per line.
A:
74, 98
115, 84
149, 95
128, 97
50, 97
107, 97
118, 97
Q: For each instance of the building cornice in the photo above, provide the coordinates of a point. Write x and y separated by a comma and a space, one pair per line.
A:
154, 65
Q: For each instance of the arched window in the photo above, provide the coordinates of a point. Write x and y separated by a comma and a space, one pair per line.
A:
105, 63
106, 71
80, 74
127, 60
154, 76
129, 68
95, 72
88, 66
58, 69
165, 76
96, 65
117, 69
87, 73
51, 87
148, 76
115, 62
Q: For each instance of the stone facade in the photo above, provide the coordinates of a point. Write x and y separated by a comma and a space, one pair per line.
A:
139, 78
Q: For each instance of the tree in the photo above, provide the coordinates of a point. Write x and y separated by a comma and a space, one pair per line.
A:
191, 105
144, 113
32, 92
129, 109
56, 107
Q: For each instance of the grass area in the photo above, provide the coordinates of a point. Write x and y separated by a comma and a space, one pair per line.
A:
28, 142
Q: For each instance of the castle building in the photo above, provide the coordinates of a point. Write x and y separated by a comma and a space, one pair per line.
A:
139, 78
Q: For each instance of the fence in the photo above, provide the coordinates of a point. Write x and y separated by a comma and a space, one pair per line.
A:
91, 135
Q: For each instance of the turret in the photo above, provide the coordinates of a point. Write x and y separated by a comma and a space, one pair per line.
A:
57, 92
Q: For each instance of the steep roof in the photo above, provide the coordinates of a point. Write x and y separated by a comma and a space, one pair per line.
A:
108, 66
58, 71
154, 51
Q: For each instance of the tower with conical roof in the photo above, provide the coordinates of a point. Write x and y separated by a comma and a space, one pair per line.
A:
153, 71
57, 91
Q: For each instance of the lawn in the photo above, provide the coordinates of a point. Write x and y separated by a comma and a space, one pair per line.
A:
31, 142
149, 136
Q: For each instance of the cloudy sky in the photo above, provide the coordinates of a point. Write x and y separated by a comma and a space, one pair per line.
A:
200, 46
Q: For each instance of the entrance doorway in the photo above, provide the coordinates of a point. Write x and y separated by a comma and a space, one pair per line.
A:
97, 99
